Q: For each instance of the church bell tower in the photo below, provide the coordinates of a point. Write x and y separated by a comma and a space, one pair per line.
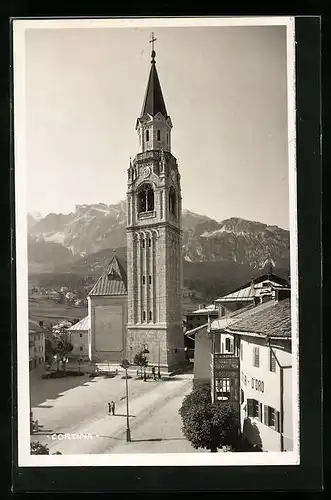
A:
154, 237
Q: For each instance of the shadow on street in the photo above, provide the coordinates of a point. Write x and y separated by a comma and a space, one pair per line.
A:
122, 415
157, 439
46, 389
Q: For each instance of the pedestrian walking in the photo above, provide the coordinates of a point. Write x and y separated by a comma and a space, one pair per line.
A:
109, 408
113, 407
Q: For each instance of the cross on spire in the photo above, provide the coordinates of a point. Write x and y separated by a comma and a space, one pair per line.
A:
152, 40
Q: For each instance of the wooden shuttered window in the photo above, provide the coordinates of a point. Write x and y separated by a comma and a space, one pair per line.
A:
266, 415
250, 407
254, 408
272, 418
272, 361
256, 356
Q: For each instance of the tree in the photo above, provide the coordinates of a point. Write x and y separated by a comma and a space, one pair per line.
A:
37, 448
141, 360
206, 424
62, 349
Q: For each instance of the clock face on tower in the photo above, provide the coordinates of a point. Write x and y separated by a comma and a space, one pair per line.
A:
145, 172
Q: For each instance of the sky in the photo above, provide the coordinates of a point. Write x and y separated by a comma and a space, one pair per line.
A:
225, 89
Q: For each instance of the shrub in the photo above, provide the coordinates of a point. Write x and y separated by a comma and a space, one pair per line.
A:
37, 448
208, 425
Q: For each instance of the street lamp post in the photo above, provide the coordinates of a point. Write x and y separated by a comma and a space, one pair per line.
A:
125, 364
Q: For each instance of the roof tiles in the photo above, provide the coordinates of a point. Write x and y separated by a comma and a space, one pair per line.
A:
82, 325
273, 321
112, 282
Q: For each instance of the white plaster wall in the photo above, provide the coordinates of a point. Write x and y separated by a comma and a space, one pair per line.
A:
202, 356
108, 324
79, 341
271, 394
108, 317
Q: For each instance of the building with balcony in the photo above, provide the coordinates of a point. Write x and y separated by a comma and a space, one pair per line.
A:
262, 342
246, 357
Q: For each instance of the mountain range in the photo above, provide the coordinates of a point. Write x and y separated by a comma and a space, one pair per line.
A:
82, 242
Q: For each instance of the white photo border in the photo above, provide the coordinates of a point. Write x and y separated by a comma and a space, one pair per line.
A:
19, 27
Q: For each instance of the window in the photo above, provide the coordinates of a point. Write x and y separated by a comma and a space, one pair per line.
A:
252, 408
143, 280
256, 357
80, 335
158, 135
147, 135
149, 242
144, 315
272, 361
172, 201
227, 344
150, 315
272, 418
143, 243
145, 198
227, 389
81, 348
150, 279
222, 388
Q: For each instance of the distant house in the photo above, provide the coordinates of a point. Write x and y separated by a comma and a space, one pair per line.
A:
52, 294
258, 290
79, 303
62, 326
197, 320
70, 296
78, 336
36, 345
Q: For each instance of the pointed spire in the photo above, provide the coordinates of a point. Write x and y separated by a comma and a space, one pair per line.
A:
153, 101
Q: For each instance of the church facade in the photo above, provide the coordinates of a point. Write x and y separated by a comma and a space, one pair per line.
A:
107, 315
141, 309
154, 237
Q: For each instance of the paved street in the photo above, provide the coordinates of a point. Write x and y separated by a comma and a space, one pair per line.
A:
75, 419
